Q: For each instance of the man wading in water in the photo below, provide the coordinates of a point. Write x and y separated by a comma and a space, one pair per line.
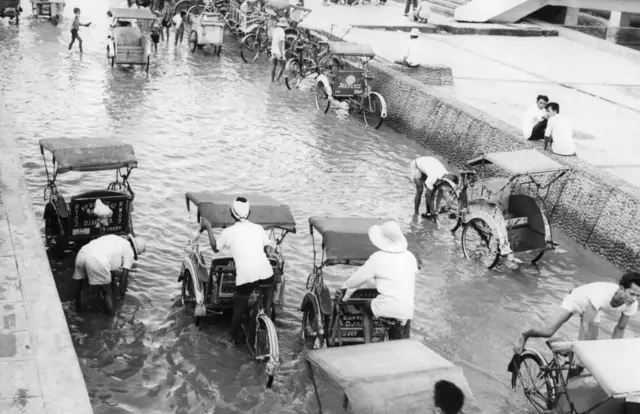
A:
75, 26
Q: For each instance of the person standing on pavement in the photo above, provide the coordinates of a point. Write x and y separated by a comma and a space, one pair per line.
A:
277, 49
559, 132
408, 6
534, 121
410, 57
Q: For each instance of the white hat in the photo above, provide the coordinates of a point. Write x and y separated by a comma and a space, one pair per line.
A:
388, 237
414, 32
283, 22
240, 208
139, 245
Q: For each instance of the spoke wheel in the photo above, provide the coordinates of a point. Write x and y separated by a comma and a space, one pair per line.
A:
537, 385
372, 111
322, 98
54, 238
447, 206
193, 41
479, 243
265, 347
294, 74
189, 297
250, 48
310, 329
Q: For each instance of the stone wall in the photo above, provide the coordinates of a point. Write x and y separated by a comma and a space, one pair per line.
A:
593, 207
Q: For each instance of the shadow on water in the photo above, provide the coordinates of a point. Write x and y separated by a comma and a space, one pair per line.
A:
199, 122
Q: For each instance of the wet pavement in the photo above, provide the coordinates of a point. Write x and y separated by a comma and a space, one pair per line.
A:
199, 122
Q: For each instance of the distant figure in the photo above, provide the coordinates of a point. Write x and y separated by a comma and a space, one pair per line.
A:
75, 26
423, 12
447, 398
534, 121
165, 15
277, 49
178, 21
407, 7
559, 132
156, 32
410, 57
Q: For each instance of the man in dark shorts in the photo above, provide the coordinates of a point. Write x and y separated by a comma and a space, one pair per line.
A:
75, 26
247, 242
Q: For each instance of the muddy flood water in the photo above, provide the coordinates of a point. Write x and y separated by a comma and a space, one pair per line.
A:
199, 122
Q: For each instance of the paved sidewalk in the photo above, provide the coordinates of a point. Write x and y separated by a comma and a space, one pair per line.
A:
501, 75
39, 369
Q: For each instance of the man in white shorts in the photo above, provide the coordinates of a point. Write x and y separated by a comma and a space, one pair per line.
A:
101, 261
589, 301
277, 49
425, 171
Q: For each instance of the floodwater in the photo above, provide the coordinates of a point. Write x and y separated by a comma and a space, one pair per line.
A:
199, 122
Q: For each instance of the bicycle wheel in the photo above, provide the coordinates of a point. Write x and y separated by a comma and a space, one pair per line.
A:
446, 204
266, 346
253, 45
310, 329
322, 98
372, 110
293, 75
537, 384
189, 297
479, 243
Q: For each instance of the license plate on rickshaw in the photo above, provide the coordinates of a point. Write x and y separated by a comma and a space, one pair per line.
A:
349, 83
351, 327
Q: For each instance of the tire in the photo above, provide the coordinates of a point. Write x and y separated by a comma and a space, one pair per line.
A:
252, 46
538, 257
54, 237
372, 111
533, 370
322, 98
478, 227
266, 346
309, 324
193, 41
447, 205
148, 63
294, 74
189, 297
194, 10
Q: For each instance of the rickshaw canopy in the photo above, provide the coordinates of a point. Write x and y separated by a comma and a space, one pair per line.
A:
265, 210
89, 154
345, 239
604, 359
376, 383
351, 49
135, 14
521, 162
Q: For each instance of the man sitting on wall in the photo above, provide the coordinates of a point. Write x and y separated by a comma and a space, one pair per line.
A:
534, 121
410, 57
559, 132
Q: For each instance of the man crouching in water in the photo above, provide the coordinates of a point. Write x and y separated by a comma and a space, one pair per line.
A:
101, 262
247, 242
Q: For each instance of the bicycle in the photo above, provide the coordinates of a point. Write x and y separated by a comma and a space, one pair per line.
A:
257, 41
305, 61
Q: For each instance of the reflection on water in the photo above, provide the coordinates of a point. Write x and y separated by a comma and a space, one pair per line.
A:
200, 122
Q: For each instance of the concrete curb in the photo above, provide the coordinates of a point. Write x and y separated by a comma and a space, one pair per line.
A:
457, 30
38, 362
593, 207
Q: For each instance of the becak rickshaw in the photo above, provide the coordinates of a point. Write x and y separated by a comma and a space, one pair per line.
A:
206, 29
330, 321
92, 213
50, 9
399, 377
10, 9
129, 45
343, 81
606, 385
501, 216
209, 290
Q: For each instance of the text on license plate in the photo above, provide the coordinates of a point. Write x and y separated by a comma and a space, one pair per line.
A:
78, 232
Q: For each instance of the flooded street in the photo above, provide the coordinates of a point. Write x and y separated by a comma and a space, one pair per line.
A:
203, 123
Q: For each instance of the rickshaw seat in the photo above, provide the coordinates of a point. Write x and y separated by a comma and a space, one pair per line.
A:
559, 347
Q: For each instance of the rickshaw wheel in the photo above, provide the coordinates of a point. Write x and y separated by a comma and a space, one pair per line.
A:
54, 239
372, 111
322, 98
309, 319
294, 76
477, 238
447, 206
193, 41
266, 346
189, 297
538, 386
538, 257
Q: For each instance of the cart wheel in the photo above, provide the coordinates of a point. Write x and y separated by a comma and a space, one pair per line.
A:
193, 41
293, 75
266, 349
479, 243
372, 111
447, 206
537, 384
189, 297
322, 98
310, 337
538, 257
251, 47
54, 238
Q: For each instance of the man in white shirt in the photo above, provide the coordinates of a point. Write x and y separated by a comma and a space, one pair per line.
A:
423, 12
277, 49
589, 301
534, 121
425, 172
178, 21
247, 242
394, 270
410, 58
101, 261
559, 132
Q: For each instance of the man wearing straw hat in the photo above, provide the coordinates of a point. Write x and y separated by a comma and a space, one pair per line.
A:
247, 242
394, 270
102, 261
277, 49
410, 57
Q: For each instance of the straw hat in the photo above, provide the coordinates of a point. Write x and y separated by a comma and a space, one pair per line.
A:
414, 32
139, 245
240, 208
388, 237
283, 22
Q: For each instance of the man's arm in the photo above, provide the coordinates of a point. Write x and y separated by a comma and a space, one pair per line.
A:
589, 327
358, 278
212, 238
546, 331
618, 331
